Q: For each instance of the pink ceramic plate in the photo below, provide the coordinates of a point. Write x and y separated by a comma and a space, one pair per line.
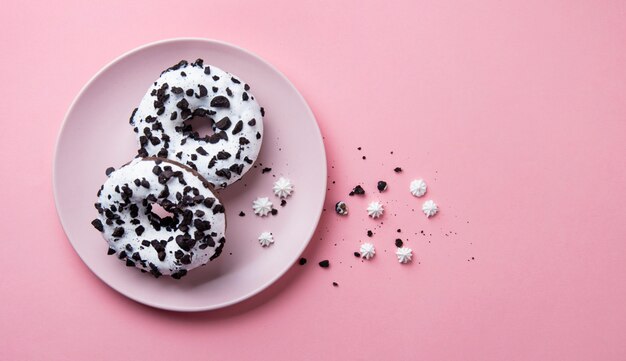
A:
96, 135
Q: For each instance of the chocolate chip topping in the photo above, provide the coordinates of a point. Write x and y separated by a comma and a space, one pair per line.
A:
201, 151
238, 127
97, 224
223, 124
118, 232
222, 155
220, 102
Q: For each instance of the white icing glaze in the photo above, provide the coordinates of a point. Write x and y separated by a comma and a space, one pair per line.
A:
404, 254
375, 209
418, 187
205, 211
221, 161
282, 188
367, 250
266, 239
262, 206
430, 208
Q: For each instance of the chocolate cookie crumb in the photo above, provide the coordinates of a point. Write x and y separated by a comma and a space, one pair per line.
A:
341, 208
358, 190
324, 263
370, 233
335, 284
283, 202
397, 169
357, 254
266, 170
382, 186
302, 261
109, 170
97, 224
241, 214
399, 243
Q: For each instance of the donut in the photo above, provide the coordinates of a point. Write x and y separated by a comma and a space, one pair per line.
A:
188, 90
170, 245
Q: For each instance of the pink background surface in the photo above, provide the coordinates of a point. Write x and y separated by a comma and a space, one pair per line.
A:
514, 113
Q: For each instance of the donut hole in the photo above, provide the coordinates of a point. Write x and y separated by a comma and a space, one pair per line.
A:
160, 217
200, 127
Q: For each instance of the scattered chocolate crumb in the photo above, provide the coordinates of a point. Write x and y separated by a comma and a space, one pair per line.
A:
359, 148
274, 212
241, 214
398, 230
357, 190
382, 186
399, 243
266, 170
363, 157
335, 284
283, 202
302, 261
397, 169
357, 254
109, 170
341, 208
324, 263
370, 233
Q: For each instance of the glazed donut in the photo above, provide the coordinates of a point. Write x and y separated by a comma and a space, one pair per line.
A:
193, 234
187, 90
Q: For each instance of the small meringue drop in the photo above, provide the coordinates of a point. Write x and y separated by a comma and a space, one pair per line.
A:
266, 239
430, 208
262, 206
404, 254
375, 209
418, 187
282, 188
367, 250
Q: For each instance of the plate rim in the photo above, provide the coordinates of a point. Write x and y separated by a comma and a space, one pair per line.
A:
62, 130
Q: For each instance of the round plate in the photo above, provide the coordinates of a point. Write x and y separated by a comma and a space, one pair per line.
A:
96, 135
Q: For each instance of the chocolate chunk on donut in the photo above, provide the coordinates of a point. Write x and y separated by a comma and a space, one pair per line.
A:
220, 102
238, 127
223, 155
223, 124
97, 224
